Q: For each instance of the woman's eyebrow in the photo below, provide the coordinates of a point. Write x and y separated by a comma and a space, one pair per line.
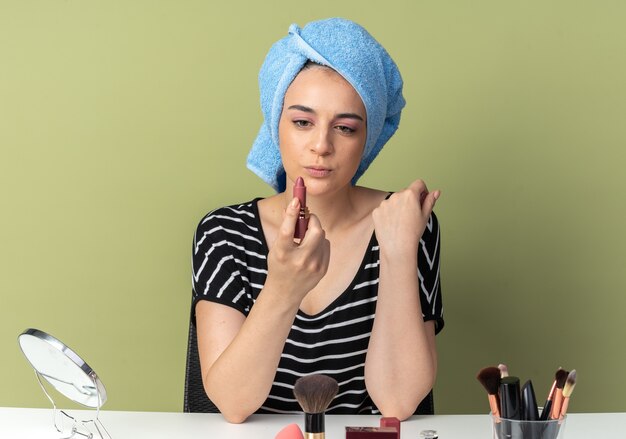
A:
302, 108
339, 116
349, 116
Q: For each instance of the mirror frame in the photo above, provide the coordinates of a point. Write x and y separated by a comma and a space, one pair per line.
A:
101, 395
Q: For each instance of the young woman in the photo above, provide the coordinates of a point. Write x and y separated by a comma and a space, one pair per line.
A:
358, 298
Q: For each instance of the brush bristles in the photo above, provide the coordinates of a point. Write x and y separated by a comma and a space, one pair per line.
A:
570, 383
489, 377
560, 376
315, 392
504, 370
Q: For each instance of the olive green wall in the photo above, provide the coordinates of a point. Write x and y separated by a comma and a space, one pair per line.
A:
123, 122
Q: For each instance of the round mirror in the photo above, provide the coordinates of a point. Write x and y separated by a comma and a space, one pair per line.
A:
62, 368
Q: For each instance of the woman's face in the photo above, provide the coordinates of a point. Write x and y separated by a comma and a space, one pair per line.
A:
322, 130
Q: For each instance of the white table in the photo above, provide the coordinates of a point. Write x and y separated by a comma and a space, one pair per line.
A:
37, 423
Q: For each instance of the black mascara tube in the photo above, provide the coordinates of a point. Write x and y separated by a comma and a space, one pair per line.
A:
510, 398
510, 408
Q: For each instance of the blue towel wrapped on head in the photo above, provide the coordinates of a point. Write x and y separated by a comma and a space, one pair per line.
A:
352, 52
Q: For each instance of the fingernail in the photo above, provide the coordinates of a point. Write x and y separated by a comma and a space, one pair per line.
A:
294, 203
436, 195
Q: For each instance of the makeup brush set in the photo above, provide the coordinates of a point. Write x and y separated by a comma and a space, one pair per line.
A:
515, 412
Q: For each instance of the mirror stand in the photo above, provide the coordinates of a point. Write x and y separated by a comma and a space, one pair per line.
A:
59, 366
68, 425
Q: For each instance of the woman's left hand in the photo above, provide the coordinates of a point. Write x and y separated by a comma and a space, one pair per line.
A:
400, 220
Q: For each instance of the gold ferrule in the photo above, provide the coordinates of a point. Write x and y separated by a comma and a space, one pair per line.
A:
304, 212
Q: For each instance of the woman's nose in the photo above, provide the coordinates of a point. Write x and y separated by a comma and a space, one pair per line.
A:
322, 144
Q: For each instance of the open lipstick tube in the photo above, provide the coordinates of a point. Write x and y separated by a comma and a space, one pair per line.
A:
299, 191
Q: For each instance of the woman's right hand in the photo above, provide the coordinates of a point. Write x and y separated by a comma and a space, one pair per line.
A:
295, 269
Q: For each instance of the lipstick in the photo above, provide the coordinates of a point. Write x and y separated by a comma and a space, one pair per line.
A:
299, 191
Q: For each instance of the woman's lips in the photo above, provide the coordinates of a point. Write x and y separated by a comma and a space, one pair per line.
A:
317, 172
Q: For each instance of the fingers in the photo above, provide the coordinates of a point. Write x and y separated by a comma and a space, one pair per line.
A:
315, 241
429, 202
419, 187
290, 216
426, 199
314, 233
326, 254
298, 265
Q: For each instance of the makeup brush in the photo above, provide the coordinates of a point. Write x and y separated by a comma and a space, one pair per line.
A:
547, 407
504, 370
489, 377
558, 394
314, 393
570, 383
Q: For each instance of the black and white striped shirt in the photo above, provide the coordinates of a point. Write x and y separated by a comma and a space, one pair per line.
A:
230, 267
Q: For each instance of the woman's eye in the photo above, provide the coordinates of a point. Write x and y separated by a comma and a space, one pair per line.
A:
345, 130
302, 123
